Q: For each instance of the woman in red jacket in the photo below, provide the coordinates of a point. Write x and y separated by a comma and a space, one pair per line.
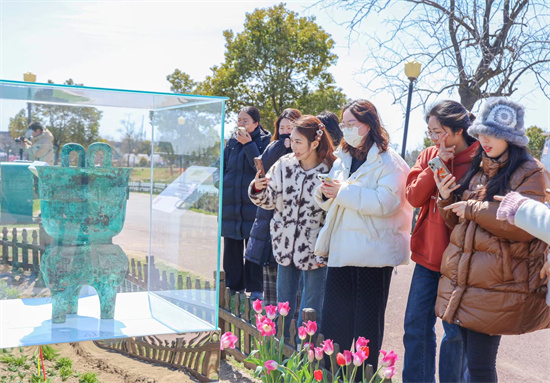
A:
448, 123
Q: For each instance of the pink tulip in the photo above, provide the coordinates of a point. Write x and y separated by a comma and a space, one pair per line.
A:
257, 306
267, 328
302, 334
361, 342
318, 353
228, 340
271, 311
311, 327
259, 320
284, 308
347, 357
308, 346
388, 372
328, 346
359, 357
271, 365
389, 358
310, 356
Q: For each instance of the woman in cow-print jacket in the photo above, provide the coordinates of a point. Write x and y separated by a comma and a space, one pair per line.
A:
288, 190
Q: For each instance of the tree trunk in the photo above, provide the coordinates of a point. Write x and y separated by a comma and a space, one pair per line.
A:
468, 96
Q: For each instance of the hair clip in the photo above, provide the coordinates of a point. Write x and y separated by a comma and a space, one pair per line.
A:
319, 134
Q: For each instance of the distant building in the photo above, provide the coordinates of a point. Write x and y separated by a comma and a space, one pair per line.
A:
9, 149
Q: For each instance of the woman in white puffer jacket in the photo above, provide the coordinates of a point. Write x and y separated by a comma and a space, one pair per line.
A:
367, 229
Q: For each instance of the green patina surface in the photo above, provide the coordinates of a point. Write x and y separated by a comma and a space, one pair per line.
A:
83, 208
16, 193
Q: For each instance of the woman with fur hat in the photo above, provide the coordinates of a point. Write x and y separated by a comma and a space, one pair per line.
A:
490, 283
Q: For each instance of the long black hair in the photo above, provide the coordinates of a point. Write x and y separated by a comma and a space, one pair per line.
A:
453, 115
499, 184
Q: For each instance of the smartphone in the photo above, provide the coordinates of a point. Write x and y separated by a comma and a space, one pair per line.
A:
259, 166
324, 177
242, 130
439, 168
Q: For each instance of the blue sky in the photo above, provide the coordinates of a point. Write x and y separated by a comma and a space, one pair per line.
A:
136, 44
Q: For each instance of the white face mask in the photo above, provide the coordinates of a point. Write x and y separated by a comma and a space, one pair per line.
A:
29, 133
352, 137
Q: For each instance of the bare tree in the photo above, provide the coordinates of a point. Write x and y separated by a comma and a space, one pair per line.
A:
478, 48
130, 137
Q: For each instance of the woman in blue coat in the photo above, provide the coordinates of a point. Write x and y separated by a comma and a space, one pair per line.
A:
238, 212
258, 249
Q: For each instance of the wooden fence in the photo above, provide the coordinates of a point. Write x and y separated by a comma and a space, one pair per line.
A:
235, 316
195, 353
21, 253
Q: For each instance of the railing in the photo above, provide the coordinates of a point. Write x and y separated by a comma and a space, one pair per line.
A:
235, 316
20, 254
141, 186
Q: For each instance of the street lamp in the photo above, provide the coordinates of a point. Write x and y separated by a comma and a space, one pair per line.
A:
412, 71
28, 77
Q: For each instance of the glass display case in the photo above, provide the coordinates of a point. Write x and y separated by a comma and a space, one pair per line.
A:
114, 232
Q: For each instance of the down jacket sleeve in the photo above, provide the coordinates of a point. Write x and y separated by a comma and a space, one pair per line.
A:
534, 217
267, 198
323, 203
450, 218
420, 181
485, 212
383, 200
256, 147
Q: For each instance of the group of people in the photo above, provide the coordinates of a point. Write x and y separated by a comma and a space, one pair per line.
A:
332, 219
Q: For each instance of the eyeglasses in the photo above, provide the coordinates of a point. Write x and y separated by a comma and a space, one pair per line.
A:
432, 135
348, 127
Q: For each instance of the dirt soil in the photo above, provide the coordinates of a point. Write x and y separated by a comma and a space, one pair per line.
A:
112, 367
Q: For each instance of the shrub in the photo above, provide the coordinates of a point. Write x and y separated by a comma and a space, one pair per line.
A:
88, 377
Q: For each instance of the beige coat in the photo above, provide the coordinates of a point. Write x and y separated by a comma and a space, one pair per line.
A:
41, 148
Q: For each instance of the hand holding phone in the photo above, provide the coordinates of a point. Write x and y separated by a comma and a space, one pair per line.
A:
439, 168
324, 177
259, 166
242, 135
443, 178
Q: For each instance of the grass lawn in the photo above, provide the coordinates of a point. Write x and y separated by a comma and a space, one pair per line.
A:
159, 174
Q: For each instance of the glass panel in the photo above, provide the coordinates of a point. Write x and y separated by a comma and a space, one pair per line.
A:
117, 233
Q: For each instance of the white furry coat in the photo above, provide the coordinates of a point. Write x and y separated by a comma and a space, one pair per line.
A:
297, 219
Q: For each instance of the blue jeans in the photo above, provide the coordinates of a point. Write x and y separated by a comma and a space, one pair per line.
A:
420, 339
313, 291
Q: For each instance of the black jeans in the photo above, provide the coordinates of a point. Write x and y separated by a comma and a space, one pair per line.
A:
240, 275
481, 353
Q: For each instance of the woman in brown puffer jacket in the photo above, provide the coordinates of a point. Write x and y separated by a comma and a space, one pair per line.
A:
490, 284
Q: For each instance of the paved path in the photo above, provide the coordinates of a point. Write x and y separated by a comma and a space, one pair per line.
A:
522, 358
189, 240
182, 238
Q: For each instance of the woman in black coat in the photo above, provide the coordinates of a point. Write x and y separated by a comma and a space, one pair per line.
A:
258, 249
238, 212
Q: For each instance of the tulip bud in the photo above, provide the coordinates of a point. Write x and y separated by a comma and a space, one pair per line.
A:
340, 359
